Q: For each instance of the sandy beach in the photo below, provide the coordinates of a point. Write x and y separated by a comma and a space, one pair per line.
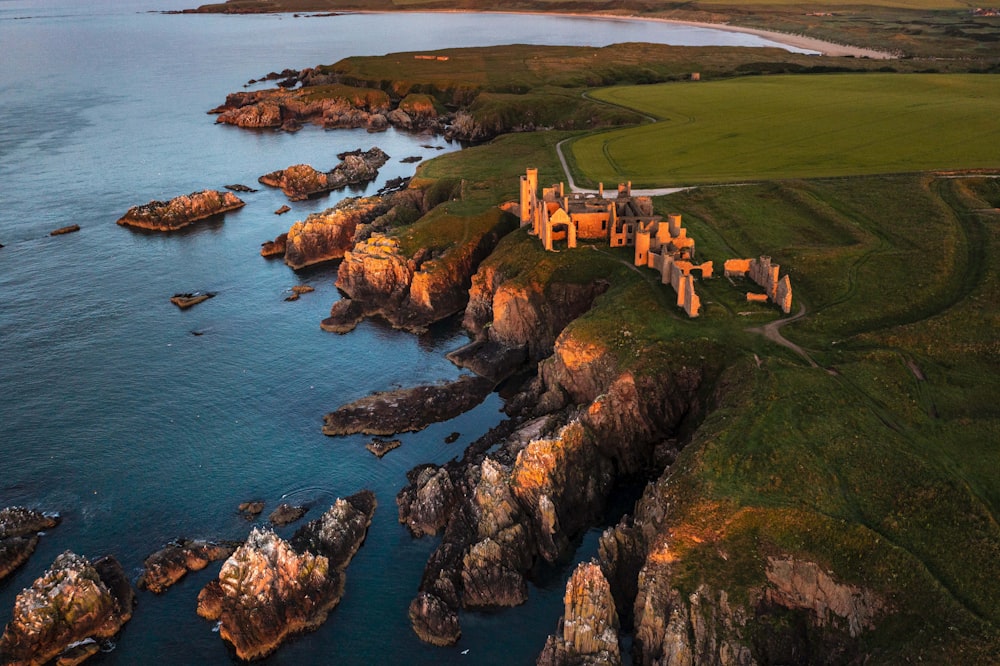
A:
788, 39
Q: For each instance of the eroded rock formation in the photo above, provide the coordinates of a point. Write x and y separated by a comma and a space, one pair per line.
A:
407, 410
19, 534
301, 181
327, 235
270, 588
330, 106
411, 292
73, 604
169, 564
180, 211
593, 422
588, 630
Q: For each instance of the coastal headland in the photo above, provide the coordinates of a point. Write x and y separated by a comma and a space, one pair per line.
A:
834, 497
793, 496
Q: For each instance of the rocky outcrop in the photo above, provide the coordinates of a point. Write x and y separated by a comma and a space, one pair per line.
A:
321, 101
407, 410
191, 298
301, 181
73, 603
530, 496
588, 629
286, 514
804, 585
169, 564
328, 235
20, 529
270, 589
526, 314
412, 292
251, 509
380, 447
180, 211
267, 591
275, 248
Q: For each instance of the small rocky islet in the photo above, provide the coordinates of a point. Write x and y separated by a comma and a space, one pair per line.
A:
20, 531
270, 588
180, 211
302, 181
69, 612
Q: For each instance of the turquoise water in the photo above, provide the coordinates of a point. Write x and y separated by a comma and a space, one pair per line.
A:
137, 431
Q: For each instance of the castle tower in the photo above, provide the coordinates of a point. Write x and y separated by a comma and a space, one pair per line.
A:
674, 220
526, 202
641, 246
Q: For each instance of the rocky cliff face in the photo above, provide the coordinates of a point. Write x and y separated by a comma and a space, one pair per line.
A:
19, 533
70, 610
410, 292
524, 313
525, 501
795, 611
270, 589
301, 181
180, 211
589, 625
330, 234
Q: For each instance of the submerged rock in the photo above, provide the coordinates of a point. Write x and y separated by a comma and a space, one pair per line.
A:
251, 509
73, 602
180, 211
190, 299
408, 410
169, 564
65, 230
239, 187
270, 588
19, 533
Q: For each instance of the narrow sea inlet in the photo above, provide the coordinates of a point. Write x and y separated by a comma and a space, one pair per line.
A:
139, 422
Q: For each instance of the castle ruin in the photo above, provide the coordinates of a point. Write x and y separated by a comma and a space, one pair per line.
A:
628, 221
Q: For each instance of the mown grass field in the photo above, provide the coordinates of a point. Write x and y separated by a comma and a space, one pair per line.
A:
765, 128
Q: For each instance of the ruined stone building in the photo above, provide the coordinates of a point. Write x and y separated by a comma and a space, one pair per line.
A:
765, 274
628, 221
624, 221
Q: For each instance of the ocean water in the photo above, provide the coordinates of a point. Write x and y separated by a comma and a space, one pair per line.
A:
115, 414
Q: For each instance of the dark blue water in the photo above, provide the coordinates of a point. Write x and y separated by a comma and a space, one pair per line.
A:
137, 431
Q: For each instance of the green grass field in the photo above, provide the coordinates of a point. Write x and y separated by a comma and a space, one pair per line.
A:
789, 126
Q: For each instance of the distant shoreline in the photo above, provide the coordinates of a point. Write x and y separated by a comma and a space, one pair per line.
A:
787, 39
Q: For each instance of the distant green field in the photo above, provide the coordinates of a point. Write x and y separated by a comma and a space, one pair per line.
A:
795, 126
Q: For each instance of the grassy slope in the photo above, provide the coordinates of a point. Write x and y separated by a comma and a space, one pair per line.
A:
889, 480
884, 466
786, 127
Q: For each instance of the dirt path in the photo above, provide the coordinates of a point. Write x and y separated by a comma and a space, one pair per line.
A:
772, 332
